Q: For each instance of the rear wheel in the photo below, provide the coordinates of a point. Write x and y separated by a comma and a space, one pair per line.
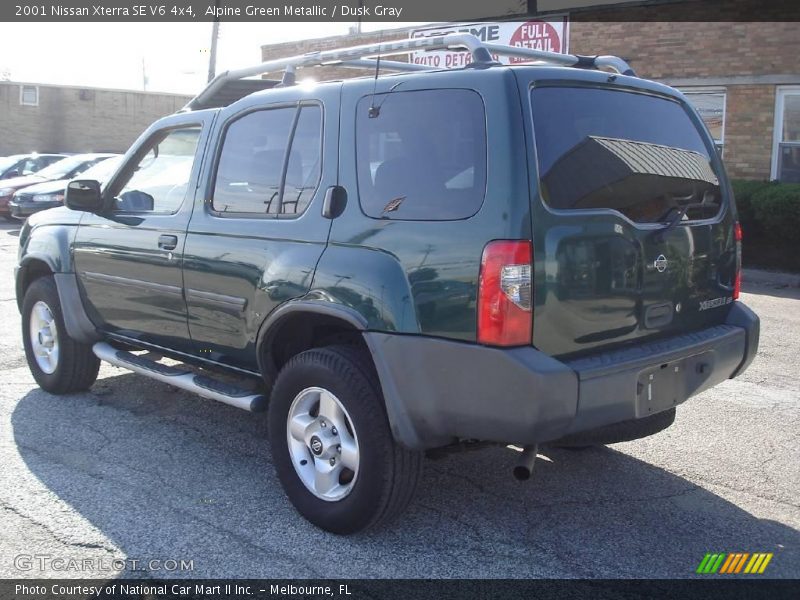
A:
331, 443
59, 364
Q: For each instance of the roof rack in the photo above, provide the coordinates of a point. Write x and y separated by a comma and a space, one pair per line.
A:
359, 57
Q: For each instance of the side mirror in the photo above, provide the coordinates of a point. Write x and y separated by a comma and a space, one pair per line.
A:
335, 201
84, 194
11, 175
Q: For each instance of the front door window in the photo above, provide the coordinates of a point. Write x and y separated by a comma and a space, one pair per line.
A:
159, 180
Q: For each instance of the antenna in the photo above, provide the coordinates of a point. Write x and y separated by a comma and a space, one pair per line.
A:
374, 111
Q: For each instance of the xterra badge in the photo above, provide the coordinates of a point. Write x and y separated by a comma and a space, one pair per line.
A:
722, 301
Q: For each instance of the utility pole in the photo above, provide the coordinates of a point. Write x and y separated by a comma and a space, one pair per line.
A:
212, 59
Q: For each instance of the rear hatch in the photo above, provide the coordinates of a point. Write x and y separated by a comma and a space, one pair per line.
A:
633, 227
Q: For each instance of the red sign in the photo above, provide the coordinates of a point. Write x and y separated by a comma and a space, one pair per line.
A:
536, 35
550, 34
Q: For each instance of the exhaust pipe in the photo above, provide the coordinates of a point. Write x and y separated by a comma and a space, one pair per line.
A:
524, 468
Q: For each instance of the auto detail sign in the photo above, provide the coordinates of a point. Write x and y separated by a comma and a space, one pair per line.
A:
549, 34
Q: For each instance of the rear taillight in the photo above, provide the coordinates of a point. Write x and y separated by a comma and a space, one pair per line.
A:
737, 281
505, 294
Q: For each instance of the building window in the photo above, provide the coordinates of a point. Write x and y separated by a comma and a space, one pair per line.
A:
710, 104
29, 95
786, 149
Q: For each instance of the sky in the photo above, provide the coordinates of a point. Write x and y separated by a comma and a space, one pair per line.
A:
173, 57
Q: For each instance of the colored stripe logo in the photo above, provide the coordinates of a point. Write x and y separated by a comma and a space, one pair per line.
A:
734, 562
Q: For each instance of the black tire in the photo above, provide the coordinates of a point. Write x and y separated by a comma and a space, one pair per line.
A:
77, 366
11, 219
387, 473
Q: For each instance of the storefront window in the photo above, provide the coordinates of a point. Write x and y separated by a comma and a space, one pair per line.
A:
711, 107
29, 95
786, 165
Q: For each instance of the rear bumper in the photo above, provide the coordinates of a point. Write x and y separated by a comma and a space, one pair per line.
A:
437, 390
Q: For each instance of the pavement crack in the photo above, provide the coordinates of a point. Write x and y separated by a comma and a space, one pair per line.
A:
54, 534
48, 457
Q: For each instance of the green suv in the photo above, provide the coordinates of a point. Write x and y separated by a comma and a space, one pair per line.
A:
413, 262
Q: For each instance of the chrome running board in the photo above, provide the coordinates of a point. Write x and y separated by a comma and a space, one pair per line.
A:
182, 378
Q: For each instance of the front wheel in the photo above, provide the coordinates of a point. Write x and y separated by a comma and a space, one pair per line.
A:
59, 364
331, 443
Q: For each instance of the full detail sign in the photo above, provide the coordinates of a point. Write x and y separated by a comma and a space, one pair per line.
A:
549, 34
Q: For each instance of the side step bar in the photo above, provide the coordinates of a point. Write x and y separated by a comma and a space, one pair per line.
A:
183, 378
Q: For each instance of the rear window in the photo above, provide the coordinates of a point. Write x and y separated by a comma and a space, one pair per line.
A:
637, 154
423, 157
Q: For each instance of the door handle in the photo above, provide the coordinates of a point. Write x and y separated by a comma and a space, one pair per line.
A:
167, 242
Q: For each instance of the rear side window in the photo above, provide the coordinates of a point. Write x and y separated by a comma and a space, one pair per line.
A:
637, 154
423, 157
270, 163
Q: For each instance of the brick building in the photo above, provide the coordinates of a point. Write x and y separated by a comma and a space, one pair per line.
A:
742, 76
51, 118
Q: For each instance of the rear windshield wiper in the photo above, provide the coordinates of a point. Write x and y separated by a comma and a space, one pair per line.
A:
681, 212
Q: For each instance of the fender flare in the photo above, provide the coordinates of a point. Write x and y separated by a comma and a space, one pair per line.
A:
20, 272
41, 257
271, 324
400, 421
79, 326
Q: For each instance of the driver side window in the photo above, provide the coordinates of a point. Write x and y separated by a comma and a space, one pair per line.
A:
159, 181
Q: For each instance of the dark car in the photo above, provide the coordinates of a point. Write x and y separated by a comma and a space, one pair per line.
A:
41, 196
19, 165
66, 168
523, 254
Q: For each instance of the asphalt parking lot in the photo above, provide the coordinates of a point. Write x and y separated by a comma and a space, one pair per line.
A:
135, 469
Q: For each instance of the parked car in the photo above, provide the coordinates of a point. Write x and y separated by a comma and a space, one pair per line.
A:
19, 165
41, 196
518, 254
66, 168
